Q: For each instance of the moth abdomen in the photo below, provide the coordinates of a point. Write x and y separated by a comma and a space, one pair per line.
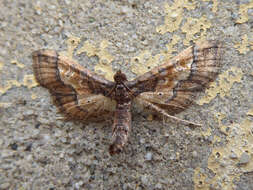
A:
121, 127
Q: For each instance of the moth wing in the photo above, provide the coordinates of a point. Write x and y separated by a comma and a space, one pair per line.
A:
77, 92
173, 86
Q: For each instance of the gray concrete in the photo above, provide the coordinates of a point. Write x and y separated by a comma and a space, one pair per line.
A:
39, 151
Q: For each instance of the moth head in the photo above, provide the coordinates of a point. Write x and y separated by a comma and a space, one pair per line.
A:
119, 77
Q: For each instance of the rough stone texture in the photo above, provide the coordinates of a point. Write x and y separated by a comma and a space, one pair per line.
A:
245, 182
40, 151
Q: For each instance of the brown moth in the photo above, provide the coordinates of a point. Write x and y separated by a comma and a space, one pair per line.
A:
167, 89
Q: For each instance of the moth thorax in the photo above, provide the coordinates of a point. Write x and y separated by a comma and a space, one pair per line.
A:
120, 89
121, 93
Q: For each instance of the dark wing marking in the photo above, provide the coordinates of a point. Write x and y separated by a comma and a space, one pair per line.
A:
77, 92
173, 85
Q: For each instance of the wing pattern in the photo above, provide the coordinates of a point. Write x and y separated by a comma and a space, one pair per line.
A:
167, 89
77, 92
173, 86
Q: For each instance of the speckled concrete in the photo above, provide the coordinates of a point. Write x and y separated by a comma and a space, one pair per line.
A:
40, 151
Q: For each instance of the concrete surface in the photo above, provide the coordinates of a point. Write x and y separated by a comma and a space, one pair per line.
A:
40, 151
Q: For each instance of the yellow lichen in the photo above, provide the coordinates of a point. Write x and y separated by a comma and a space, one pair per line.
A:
226, 81
88, 48
200, 179
105, 58
237, 144
223, 129
217, 139
139, 65
38, 8
29, 81
243, 45
105, 69
33, 96
103, 54
20, 65
194, 26
243, 11
144, 62
206, 133
5, 104
72, 43
215, 6
219, 117
250, 112
9, 85
170, 46
239, 140
174, 15
1, 65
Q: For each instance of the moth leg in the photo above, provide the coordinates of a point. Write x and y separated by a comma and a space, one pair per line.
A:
110, 92
60, 118
164, 122
164, 113
129, 90
101, 109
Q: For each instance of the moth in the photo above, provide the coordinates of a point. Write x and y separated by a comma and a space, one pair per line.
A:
167, 89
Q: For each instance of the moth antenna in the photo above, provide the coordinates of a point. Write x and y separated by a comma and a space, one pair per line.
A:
195, 106
174, 105
61, 118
